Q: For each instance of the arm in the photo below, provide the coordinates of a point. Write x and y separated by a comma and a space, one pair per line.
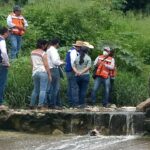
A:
4, 53
25, 23
31, 62
88, 66
73, 56
111, 66
75, 68
9, 22
45, 61
96, 62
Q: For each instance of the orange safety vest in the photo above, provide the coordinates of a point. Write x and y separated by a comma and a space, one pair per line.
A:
102, 71
19, 22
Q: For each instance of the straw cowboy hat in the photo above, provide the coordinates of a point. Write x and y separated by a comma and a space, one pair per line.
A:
78, 43
87, 44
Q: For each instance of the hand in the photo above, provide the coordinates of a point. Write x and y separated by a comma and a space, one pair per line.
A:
20, 28
50, 78
78, 73
62, 63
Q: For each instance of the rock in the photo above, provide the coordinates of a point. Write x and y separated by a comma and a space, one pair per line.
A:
144, 105
128, 108
147, 125
147, 113
57, 132
94, 132
113, 106
92, 109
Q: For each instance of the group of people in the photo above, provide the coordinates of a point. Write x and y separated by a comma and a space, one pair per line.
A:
47, 67
46, 74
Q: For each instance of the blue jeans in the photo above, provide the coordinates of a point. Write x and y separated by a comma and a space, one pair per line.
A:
106, 83
40, 81
82, 82
15, 41
72, 90
54, 88
3, 80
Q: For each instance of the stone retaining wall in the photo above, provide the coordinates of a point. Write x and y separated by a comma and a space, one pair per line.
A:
47, 122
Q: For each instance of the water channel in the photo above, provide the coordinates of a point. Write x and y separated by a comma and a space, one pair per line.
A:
23, 141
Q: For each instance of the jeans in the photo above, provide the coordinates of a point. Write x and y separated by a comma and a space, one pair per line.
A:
15, 41
72, 90
82, 82
3, 80
54, 88
106, 84
40, 80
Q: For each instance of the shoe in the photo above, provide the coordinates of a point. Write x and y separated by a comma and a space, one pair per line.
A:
32, 107
51, 107
106, 105
42, 108
58, 107
81, 106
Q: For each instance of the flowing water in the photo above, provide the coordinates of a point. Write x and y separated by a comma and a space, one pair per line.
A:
22, 141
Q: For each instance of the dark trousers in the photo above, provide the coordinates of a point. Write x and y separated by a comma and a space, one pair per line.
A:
72, 89
3, 80
54, 88
82, 82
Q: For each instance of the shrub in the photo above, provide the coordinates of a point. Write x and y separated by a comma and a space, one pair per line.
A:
19, 83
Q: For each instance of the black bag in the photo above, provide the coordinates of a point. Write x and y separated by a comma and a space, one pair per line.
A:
94, 72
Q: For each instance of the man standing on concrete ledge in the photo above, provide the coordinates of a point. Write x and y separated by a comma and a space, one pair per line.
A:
54, 62
4, 63
17, 25
72, 87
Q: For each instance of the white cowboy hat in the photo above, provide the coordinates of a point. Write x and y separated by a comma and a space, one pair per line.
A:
87, 44
78, 43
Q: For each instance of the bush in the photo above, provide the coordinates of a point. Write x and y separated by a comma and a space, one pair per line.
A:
130, 89
19, 83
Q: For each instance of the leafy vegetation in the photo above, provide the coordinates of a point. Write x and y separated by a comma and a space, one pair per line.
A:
96, 21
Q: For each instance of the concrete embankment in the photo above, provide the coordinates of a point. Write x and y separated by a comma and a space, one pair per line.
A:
81, 121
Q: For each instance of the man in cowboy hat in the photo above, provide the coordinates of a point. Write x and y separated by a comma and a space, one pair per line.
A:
72, 85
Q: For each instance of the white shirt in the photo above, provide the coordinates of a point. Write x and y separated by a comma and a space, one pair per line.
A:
53, 57
10, 24
73, 56
38, 64
4, 55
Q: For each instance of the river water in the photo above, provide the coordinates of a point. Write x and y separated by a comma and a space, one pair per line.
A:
23, 141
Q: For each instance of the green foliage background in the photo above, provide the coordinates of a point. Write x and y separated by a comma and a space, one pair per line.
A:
96, 21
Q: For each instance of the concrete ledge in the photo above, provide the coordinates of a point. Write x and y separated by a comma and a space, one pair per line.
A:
107, 123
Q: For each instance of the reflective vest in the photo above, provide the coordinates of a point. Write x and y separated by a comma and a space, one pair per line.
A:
102, 71
19, 22
68, 67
